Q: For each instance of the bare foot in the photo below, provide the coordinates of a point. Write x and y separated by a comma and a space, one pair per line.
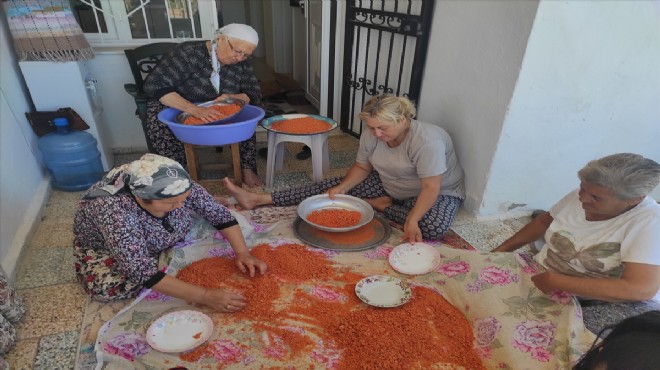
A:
250, 178
244, 198
380, 203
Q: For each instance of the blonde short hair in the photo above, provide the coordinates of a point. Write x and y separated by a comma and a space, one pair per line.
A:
388, 107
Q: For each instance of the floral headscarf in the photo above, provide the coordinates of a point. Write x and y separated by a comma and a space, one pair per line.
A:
150, 177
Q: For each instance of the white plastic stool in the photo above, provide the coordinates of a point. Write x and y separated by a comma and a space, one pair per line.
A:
318, 143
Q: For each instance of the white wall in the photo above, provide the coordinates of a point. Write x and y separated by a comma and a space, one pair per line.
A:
531, 91
474, 57
589, 86
111, 70
24, 186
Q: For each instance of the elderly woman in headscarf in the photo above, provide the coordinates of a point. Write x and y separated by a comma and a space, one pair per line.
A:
134, 213
602, 240
199, 71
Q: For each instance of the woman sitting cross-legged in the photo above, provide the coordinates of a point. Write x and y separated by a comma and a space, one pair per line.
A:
405, 168
602, 241
136, 212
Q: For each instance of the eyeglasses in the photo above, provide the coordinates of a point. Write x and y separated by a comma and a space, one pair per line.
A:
236, 51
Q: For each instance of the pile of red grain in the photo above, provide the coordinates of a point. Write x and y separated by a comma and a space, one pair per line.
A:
302, 125
226, 110
334, 217
424, 333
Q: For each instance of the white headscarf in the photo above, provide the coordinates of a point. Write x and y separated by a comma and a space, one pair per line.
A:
240, 32
235, 31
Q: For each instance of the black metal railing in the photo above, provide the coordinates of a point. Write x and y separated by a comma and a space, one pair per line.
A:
385, 49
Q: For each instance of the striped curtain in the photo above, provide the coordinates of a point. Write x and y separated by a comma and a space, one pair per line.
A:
46, 30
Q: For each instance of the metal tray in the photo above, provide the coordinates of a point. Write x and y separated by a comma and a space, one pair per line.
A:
183, 115
348, 241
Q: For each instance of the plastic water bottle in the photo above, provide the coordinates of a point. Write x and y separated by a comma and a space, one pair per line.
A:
72, 157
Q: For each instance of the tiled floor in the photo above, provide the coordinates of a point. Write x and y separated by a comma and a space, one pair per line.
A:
59, 315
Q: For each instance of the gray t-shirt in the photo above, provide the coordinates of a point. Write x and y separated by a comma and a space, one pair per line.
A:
426, 151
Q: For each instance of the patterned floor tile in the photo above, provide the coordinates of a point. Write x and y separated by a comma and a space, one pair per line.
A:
23, 354
51, 309
126, 158
484, 236
343, 141
290, 180
61, 204
53, 233
42, 266
342, 159
57, 351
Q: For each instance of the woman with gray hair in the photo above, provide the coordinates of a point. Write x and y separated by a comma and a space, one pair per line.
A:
602, 240
198, 71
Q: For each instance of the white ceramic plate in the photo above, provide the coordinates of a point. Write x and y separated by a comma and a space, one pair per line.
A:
348, 202
414, 259
383, 291
179, 331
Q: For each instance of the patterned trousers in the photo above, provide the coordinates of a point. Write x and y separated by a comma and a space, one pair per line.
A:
166, 144
434, 224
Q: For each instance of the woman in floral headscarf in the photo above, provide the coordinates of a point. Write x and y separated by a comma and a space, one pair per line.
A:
198, 71
136, 212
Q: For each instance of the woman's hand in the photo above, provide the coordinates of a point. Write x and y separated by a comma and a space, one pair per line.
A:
335, 190
248, 263
412, 232
223, 300
206, 114
545, 281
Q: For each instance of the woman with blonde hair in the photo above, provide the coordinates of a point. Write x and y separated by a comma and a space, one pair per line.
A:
405, 168
199, 71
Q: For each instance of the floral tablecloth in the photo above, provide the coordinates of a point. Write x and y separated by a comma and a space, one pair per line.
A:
515, 326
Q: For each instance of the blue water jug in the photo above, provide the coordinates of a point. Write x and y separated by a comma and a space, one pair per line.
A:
72, 158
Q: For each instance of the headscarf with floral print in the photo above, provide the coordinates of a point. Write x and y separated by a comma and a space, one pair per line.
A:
150, 177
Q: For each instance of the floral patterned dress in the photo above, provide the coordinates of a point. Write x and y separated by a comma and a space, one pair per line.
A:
117, 243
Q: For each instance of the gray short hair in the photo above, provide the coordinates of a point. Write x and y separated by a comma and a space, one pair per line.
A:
628, 175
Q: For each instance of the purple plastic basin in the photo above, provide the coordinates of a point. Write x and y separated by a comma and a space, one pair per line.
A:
240, 128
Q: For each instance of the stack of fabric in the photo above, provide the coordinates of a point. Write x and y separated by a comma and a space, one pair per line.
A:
11, 310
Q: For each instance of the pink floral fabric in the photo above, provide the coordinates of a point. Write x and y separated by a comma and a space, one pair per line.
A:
515, 325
